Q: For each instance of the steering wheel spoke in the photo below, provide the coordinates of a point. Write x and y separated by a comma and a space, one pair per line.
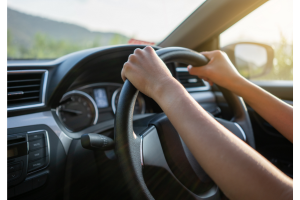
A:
152, 155
152, 152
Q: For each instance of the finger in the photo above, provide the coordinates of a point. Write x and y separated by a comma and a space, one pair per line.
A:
210, 83
132, 58
212, 54
123, 71
207, 54
138, 51
198, 71
149, 49
123, 76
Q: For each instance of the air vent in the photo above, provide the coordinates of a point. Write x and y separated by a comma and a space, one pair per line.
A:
25, 88
187, 80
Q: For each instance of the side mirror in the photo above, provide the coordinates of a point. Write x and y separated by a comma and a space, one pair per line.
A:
251, 59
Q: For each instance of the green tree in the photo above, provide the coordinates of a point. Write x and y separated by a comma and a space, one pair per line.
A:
118, 39
45, 47
11, 49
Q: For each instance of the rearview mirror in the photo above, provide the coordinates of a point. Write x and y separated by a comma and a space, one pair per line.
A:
252, 60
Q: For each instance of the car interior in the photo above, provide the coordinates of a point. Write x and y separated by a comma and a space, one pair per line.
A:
75, 130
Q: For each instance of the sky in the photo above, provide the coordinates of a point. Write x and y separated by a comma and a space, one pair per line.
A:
150, 20
263, 25
153, 20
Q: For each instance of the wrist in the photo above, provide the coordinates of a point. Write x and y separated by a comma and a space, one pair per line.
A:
236, 84
165, 90
240, 86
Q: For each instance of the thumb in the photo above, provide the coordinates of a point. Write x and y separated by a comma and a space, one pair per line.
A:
207, 54
197, 71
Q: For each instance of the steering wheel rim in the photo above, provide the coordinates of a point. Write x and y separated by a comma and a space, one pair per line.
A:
128, 144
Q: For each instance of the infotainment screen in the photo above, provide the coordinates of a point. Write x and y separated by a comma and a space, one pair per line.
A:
101, 98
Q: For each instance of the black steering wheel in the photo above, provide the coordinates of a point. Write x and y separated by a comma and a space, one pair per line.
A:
158, 151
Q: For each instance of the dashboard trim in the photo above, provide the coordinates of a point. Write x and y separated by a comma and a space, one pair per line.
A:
113, 99
43, 92
139, 98
241, 130
45, 118
99, 84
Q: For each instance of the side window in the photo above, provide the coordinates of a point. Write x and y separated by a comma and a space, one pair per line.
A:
270, 24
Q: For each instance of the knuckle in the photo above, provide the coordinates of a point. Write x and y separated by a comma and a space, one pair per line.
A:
218, 52
137, 51
131, 57
149, 49
126, 66
224, 53
221, 54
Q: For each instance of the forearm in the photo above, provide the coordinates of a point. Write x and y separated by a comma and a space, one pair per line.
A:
273, 110
229, 162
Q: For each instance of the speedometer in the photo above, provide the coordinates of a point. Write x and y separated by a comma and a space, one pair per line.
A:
139, 106
77, 110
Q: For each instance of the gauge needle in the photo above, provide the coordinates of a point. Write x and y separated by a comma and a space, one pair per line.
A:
77, 112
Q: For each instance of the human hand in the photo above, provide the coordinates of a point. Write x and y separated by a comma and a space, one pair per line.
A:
146, 71
219, 70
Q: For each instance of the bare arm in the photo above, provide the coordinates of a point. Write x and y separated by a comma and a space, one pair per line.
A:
237, 169
221, 71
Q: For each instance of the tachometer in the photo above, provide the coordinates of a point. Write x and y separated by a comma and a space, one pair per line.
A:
77, 110
139, 106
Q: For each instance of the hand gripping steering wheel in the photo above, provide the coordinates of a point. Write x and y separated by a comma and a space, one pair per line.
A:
159, 147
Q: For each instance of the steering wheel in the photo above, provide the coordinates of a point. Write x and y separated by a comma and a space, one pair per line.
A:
159, 149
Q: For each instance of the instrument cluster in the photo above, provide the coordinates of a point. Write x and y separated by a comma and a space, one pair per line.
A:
92, 104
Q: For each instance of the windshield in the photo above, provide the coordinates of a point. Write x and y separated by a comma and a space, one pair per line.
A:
44, 29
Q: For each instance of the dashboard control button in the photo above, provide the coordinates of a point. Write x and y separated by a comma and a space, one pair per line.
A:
36, 164
35, 136
14, 175
39, 181
34, 155
23, 187
21, 136
13, 168
16, 136
36, 144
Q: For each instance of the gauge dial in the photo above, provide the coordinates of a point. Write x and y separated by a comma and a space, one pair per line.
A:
77, 110
139, 106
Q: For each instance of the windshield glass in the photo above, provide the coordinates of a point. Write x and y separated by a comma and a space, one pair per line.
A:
44, 29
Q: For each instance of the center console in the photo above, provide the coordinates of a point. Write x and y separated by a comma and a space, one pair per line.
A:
27, 153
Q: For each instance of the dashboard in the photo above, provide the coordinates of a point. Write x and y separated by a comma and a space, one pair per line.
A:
93, 104
52, 103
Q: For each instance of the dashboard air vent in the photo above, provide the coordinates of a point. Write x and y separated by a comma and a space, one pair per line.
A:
25, 88
187, 80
